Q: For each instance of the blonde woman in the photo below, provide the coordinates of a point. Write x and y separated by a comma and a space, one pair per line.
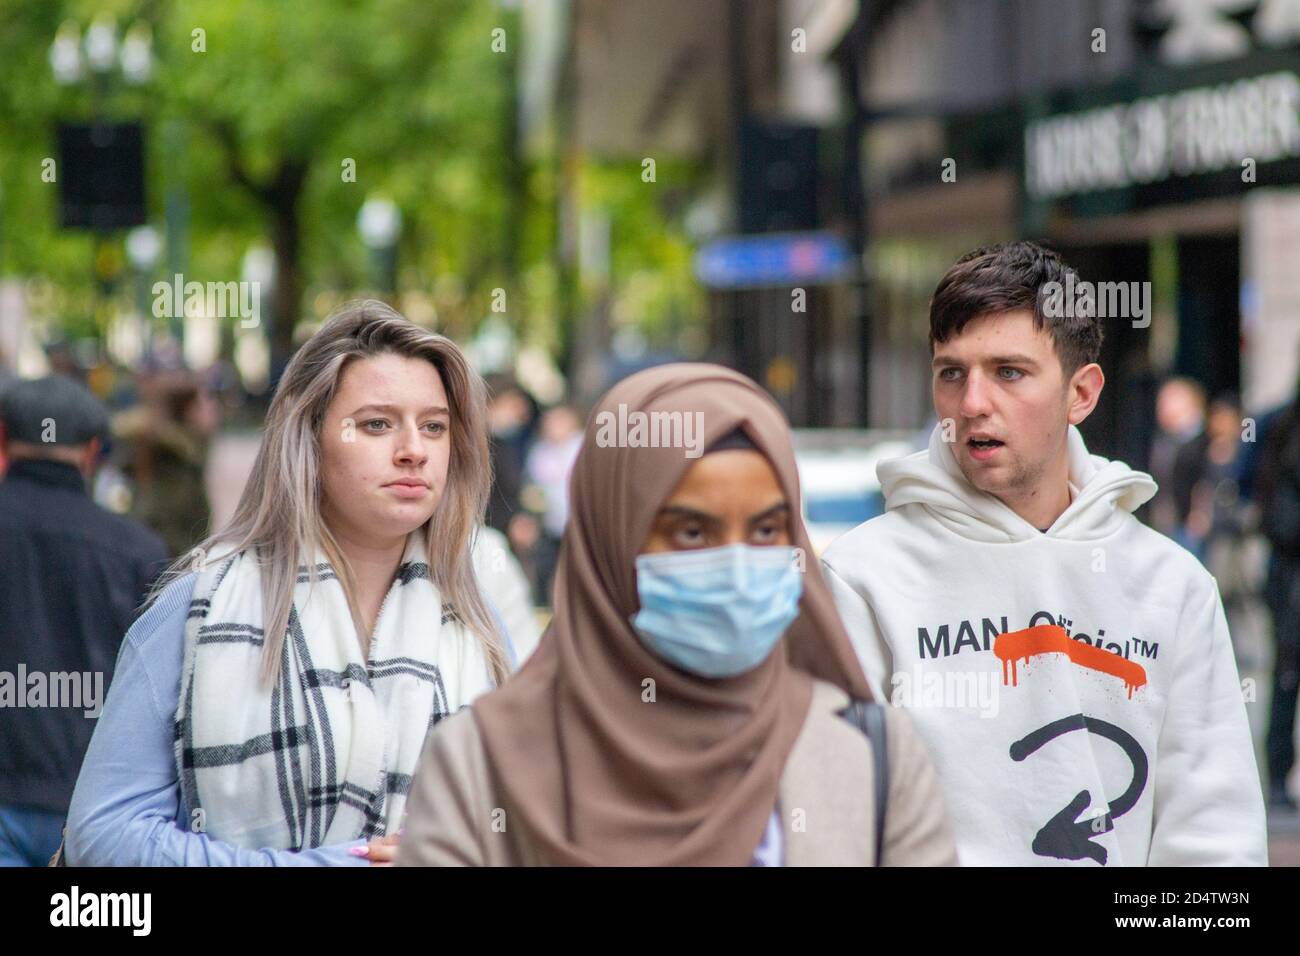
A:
269, 707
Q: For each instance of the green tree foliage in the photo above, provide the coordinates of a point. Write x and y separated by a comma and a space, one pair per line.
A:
272, 98
252, 111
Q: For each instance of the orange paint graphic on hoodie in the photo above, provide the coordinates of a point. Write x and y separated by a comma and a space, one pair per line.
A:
1052, 639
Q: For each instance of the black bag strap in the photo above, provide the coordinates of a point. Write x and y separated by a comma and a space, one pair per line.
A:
869, 717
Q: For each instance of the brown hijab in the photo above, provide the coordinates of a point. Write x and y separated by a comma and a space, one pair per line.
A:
600, 775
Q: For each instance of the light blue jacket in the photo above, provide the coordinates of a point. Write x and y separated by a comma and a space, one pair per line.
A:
127, 808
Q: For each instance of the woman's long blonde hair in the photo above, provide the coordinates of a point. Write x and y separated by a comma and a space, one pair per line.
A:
278, 518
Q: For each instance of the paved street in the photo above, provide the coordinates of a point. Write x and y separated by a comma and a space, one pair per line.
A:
229, 464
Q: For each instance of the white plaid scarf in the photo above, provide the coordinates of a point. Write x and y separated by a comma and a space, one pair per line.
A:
326, 754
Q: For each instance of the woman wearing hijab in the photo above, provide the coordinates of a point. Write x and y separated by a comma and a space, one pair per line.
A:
269, 707
683, 707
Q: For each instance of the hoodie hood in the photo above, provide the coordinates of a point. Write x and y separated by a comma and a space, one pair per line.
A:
1103, 493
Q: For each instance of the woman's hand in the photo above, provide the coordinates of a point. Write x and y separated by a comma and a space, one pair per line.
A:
380, 852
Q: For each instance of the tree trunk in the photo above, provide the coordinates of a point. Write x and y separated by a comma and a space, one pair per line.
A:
283, 199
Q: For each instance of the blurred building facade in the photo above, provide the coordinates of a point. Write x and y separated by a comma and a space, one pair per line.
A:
1148, 141
751, 93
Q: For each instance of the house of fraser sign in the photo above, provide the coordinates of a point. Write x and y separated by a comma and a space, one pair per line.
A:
1203, 129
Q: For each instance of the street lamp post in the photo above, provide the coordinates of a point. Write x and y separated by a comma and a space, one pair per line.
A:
71, 57
258, 269
143, 248
380, 225
101, 55
101, 51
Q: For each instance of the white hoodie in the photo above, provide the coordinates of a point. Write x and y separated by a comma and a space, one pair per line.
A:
1108, 726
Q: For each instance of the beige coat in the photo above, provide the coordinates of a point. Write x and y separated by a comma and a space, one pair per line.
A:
455, 817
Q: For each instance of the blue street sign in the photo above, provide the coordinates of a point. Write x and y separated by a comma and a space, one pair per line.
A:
788, 258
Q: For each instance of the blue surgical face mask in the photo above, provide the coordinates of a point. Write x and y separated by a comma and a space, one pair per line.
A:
717, 612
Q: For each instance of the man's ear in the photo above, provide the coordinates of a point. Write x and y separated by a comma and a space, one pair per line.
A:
1084, 391
90, 457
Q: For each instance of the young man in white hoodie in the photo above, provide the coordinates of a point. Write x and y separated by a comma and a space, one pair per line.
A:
1069, 667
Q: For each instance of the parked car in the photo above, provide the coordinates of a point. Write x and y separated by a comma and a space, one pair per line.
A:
837, 473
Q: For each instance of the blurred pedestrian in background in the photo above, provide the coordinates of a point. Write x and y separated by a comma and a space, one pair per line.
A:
1277, 486
162, 450
74, 576
1219, 518
549, 463
508, 589
7, 378
62, 361
1176, 455
512, 423
513, 416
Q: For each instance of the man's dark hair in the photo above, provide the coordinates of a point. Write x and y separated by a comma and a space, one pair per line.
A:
1010, 277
